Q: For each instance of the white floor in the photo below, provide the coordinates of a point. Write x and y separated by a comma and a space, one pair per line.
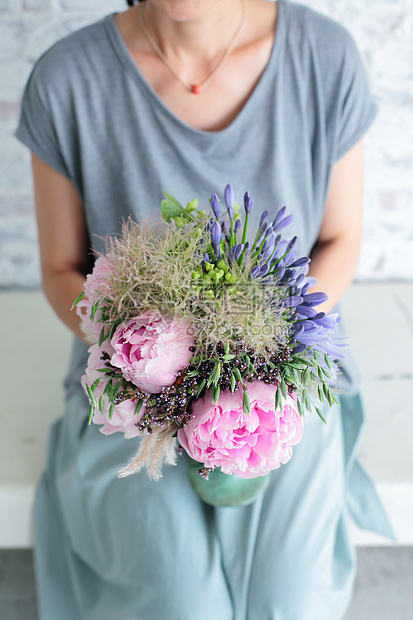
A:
379, 319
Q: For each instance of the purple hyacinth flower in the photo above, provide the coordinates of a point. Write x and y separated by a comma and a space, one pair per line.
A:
264, 270
269, 231
229, 200
255, 271
306, 311
310, 281
248, 203
299, 348
237, 226
278, 217
335, 349
284, 223
263, 219
304, 260
216, 237
238, 250
215, 205
261, 235
327, 322
313, 299
291, 244
269, 248
318, 316
247, 247
298, 328
292, 302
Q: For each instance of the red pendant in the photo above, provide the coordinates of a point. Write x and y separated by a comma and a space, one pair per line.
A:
196, 89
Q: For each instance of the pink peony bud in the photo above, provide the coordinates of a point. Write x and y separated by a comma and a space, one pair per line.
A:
123, 418
151, 349
94, 282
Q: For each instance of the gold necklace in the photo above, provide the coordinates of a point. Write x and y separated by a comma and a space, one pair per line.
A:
196, 89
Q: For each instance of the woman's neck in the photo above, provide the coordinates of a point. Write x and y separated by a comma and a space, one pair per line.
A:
194, 43
189, 29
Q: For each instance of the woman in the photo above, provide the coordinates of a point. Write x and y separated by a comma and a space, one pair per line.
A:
185, 96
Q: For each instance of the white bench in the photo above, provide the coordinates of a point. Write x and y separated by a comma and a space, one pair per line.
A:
35, 353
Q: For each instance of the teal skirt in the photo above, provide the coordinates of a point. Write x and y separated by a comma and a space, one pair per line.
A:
134, 549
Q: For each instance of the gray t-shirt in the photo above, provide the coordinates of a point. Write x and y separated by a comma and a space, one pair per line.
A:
88, 112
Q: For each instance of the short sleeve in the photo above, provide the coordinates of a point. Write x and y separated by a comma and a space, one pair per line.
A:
36, 128
356, 106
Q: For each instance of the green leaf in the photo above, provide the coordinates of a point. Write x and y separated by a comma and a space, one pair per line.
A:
328, 361
91, 408
227, 357
101, 405
193, 373
102, 336
138, 406
320, 415
200, 387
113, 329
215, 393
325, 372
237, 374
307, 403
171, 208
111, 408
93, 310
249, 363
278, 399
233, 382
91, 396
300, 408
283, 388
300, 360
305, 375
246, 405
95, 384
215, 374
77, 300
313, 376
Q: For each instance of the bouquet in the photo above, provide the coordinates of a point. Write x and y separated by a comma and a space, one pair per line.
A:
207, 340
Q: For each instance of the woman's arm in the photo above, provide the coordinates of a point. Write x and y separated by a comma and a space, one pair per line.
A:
335, 254
63, 238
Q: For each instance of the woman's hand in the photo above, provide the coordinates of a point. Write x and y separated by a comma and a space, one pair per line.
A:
335, 255
64, 242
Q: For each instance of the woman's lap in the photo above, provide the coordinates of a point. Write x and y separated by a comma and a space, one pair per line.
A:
142, 550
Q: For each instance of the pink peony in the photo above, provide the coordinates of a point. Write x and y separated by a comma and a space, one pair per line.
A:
222, 435
94, 282
123, 417
151, 349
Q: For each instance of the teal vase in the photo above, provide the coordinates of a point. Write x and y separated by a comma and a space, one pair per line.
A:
226, 490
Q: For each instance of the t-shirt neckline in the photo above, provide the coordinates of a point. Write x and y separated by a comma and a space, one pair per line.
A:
133, 70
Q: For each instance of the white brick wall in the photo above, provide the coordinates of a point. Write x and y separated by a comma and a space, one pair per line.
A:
384, 32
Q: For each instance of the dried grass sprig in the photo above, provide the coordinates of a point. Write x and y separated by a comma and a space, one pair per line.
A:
152, 268
155, 450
